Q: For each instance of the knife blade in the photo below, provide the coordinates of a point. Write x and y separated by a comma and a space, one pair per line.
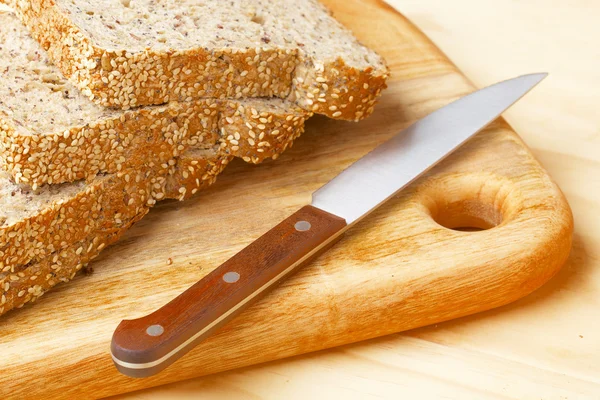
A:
145, 346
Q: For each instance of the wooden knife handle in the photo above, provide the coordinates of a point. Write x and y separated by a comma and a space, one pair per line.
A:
145, 346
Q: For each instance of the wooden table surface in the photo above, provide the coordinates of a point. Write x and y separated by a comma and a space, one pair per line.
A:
517, 351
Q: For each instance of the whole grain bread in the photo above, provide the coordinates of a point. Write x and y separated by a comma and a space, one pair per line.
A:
127, 53
51, 133
48, 235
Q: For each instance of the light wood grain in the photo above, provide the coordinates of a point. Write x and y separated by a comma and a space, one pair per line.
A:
391, 272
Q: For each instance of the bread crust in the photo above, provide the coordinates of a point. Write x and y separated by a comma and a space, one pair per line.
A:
96, 217
120, 79
129, 139
38, 277
106, 200
255, 135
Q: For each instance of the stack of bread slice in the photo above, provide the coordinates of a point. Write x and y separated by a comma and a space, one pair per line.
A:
107, 107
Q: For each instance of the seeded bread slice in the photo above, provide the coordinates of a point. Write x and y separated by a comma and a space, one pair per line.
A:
63, 227
50, 133
126, 53
36, 223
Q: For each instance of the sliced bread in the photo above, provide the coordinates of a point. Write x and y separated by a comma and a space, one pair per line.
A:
127, 53
47, 235
50, 133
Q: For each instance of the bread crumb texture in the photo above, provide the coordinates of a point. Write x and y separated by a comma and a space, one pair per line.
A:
127, 53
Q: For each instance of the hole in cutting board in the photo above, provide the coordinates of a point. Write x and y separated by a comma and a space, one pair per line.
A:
470, 202
468, 216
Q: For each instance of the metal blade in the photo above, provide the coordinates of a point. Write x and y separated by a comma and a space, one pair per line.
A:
394, 164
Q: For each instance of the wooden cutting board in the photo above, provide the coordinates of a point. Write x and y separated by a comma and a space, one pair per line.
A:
398, 269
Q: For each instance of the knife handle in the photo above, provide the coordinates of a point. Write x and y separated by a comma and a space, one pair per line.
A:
145, 346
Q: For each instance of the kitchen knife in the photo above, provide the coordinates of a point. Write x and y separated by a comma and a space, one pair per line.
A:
145, 346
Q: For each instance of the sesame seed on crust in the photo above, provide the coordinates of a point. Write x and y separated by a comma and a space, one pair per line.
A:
110, 145
254, 141
60, 264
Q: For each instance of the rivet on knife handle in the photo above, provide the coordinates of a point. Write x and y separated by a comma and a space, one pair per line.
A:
145, 346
